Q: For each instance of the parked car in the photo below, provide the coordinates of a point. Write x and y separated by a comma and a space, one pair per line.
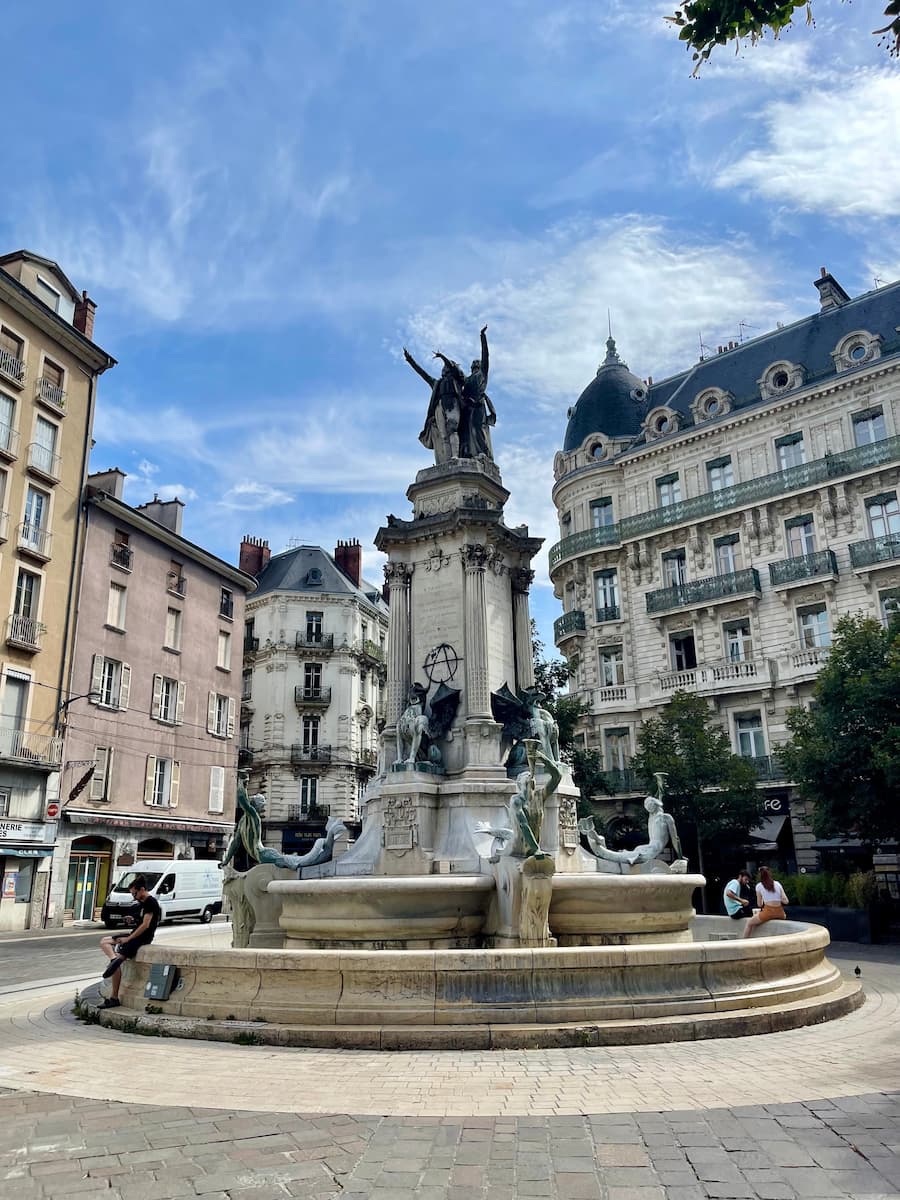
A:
184, 888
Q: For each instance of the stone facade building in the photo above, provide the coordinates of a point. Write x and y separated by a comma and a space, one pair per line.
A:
49, 368
716, 524
312, 694
151, 746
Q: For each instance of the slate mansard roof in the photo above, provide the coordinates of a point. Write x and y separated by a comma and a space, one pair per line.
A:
312, 569
616, 402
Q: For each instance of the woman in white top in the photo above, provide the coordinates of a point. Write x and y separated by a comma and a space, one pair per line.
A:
770, 896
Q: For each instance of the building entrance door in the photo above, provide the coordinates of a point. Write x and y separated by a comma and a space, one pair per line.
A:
87, 882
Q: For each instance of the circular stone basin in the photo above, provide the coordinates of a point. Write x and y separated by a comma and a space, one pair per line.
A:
614, 910
421, 912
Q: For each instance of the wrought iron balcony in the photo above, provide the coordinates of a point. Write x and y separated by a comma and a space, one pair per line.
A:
226, 606
370, 652
245, 756
24, 632
804, 566
313, 813
12, 367
768, 766
312, 697
251, 644
34, 539
368, 758
175, 583
610, 613
40, 750
569, 623
43, 461
705, 591
621, 781
51, 393
9, 441
310, 754
121, 555
876, 550
767, 487
314, 641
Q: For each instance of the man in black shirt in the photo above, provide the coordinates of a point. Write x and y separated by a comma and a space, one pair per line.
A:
120, 946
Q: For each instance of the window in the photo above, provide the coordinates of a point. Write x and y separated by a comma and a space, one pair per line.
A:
120, 554
750, 739
175, 580
110, 682
738, 643
606, 595
173, 629
889, 605
161, 782
168, 700
719, 473
363, 685
52, 373
884, 515
617, 747
34, 529
8, 435
668, 490
46, 292
789, 451
601, 512
800, 534
312, 679
216, 790
220, 715
728, 554
42, 452
100, 780
226, 603
5, 796
813, 623
223, 652
310, 732
314, 627
12, 354
28, 591
683, 651
612, 666
674, 568
15, 706
869, 427
246, 684
309, 790
115, 606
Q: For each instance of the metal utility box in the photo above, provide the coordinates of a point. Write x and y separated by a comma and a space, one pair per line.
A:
162, 979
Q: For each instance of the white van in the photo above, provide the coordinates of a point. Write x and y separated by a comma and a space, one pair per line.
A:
188, 887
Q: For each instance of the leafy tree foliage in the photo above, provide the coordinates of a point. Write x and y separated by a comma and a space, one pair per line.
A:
844, 750
551, 675
589, 777
705, 24
710, 792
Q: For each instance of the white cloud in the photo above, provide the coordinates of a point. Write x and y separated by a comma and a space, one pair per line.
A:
832, 149
250, 495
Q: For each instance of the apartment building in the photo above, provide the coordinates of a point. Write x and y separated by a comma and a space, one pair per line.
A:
311, 699
716, 524
49, 368
151, 725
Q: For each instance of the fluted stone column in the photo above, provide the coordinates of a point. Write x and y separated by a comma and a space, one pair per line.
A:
398, 577
478, 700
521, 579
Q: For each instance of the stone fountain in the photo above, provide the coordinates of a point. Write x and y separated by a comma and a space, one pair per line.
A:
468, 913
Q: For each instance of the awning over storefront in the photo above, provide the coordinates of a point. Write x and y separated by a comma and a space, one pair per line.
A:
765, 836
16, 852
160, 825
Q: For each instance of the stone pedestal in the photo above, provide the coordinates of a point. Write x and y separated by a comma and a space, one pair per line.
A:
520, 908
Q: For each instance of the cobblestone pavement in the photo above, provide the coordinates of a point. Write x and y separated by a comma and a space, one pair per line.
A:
82, 1113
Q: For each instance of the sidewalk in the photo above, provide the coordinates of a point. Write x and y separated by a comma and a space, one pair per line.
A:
17, 935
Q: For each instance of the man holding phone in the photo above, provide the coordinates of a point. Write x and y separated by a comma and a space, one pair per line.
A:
120, 946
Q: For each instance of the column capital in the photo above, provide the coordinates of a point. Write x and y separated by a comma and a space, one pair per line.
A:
397, 574
521, 578
475, 556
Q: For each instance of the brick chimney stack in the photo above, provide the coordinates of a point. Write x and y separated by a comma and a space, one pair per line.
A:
831, 294
83, 317
255, 555
348, 559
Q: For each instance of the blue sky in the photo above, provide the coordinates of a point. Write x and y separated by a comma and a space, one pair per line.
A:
268, 202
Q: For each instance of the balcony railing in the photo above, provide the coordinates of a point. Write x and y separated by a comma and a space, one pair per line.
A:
314, 641
312, 696
51, 393
245, 756
568, 623
876, 550
702, 591
226, 606
4, 526
251, 644
370, 652
121, 555
804, 566
609, 613
614, 694
768, 766
806, 475
318, 813
24, 632
38, 749
310, 754
34, 539
11, 367
802, 664
9, 441
43, 460
368, 758
175, 583
716, 677
621, 781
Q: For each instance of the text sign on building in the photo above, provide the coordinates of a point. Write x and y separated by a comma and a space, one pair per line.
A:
26, 831
777, 806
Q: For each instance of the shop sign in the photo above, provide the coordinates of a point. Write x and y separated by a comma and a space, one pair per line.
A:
777, 806
26, 831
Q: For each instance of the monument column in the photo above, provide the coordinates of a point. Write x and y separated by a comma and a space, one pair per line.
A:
398, 576
478, 692
521, 579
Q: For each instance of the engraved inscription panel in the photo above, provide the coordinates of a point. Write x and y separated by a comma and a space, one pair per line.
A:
400, 830
568, 824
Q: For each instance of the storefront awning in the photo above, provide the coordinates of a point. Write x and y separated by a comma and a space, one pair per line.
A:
159, 825
768, 832
14, 852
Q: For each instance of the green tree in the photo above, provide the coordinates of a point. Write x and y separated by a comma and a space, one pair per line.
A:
705, 24
589, 777
844, 750
551, 675
710, 792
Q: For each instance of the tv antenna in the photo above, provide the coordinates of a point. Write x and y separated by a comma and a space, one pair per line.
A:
742, 325
878, 282
704, 349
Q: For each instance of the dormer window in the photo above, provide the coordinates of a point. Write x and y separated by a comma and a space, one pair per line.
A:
710, 403
855, 350
781, 377
597, 450
47, 292
660, 421
314, 577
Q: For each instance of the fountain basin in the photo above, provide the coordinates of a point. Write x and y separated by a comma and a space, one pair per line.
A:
612, 910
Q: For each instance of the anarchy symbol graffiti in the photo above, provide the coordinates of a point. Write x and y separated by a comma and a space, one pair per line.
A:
441, 663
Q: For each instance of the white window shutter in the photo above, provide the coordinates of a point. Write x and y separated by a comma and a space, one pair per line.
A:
149, 778
179, 703
216, 789
211, 713
156, 703
98, 781
110, 756
124, 687
174, 784
229, 731
97, 675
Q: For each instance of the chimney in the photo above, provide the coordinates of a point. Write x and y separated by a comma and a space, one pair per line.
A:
348, 558
83, 317
831, 294
255, 555
111, 482
165, 512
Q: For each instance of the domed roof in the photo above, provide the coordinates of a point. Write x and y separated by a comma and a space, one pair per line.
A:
612, 403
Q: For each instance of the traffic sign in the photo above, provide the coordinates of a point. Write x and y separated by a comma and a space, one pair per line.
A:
52, 810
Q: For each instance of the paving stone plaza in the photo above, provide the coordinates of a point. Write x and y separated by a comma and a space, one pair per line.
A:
809, 1113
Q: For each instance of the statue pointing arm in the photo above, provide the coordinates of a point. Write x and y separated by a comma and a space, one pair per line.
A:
429, 379
485, 358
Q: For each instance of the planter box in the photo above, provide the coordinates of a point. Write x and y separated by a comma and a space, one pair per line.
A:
844, 924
